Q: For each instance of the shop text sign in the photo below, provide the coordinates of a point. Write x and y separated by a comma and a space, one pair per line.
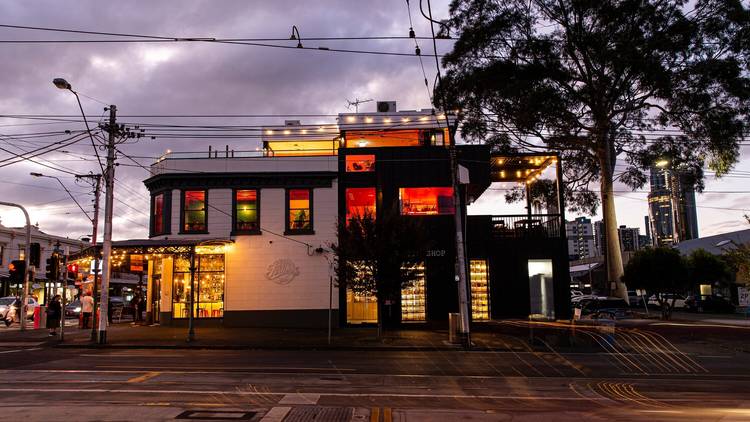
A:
282, 271
136, 263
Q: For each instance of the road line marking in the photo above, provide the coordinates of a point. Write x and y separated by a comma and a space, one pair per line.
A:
300, 398
21, 350
145, 377
21, 343
375, 414
276, 414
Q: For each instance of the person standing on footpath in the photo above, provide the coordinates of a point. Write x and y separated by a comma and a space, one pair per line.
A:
87, 308
54, 313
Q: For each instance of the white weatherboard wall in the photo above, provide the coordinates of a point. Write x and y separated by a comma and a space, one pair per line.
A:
247, 261
248, 288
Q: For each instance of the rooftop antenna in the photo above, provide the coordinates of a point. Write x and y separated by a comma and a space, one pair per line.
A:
356, 104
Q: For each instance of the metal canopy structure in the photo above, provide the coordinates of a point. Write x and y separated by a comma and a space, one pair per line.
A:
520, 168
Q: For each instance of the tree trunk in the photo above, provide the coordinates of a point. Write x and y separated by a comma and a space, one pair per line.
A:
613, 253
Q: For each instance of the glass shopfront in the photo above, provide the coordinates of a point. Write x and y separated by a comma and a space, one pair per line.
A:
480, 296
413, 299
209, 285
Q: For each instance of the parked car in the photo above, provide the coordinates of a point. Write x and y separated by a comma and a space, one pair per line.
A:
679, 300
576, 299
6, 303
710, 304
604, 308
73, 308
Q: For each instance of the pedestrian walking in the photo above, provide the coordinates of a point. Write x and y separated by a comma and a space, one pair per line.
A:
54, 313
87, 308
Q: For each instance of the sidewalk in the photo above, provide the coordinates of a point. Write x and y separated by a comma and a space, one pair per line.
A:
127, 335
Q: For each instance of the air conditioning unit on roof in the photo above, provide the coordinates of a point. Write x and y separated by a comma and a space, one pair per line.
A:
386, 106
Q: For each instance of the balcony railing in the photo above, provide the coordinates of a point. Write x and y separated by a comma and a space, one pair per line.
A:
524, 225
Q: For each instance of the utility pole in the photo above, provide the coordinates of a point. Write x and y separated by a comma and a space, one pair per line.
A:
109, 179
463, 297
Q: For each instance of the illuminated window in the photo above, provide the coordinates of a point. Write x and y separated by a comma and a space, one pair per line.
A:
209, 287
299, 211
360, 163
413, 298
160, 214
426, 201
480, 294
360, 202
194, 211
246, 211
541, 291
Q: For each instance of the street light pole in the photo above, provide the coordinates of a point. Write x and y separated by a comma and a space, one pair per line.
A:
27, 252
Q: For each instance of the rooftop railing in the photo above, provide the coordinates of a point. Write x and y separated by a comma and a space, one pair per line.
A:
525, 225
258, 153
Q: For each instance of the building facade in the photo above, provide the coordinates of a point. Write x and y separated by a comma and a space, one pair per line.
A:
12, 247
580, 234
672, 210
248, 234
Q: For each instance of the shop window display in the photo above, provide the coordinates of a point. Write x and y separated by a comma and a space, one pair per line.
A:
209, 285
413, 299
480, 296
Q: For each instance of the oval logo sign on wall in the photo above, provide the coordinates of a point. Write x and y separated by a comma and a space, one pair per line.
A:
282, 271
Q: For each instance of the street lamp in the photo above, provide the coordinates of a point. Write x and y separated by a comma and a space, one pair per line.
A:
63, 84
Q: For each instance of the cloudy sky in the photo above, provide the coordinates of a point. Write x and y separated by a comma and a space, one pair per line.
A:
201, 78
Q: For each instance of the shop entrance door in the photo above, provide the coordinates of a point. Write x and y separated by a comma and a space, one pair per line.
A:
156, 298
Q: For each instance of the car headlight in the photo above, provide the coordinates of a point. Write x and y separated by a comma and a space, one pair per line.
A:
77, 309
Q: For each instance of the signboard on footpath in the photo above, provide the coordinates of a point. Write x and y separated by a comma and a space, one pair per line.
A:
743, 296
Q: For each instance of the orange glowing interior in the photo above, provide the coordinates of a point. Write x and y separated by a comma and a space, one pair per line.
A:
426, 201
360, 202
360, 163
391, 138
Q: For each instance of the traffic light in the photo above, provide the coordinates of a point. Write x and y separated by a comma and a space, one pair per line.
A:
16, 270
53, 267
35, 252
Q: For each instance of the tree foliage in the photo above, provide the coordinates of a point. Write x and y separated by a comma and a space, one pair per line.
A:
659, 271
602, 80
707, 268
380, 256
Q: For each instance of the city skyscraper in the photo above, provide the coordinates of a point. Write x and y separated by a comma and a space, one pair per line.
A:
672, 212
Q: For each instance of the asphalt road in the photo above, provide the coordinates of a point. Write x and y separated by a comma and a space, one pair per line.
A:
661, 383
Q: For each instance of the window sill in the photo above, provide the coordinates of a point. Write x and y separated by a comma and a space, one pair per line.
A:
298, 232
159, 234
246, 233
194, 232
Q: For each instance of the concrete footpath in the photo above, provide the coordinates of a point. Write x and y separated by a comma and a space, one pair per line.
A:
127, 335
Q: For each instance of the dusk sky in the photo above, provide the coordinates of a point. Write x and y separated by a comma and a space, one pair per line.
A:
190, 78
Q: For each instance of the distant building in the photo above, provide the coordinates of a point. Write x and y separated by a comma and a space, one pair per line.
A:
580, 234
629, 237
13, 247
672, 211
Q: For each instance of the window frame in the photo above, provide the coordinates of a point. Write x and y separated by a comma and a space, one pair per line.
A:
290, 231
235, 231
166, 218
401, 190
182, 212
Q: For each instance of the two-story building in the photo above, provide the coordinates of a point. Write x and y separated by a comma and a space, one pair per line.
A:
256, 226
13, 247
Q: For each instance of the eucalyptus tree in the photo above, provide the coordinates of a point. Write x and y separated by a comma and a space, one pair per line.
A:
602, 81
